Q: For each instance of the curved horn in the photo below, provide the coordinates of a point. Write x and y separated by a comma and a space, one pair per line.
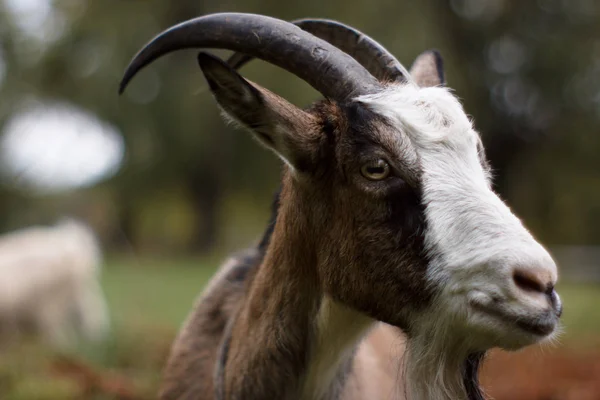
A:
326, 68
368, 52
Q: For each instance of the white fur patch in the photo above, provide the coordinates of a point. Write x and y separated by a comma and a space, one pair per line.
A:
473, 238
470, 230
339, 329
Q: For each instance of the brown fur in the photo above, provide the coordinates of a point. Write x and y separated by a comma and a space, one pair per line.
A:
273, 312
341, 242
190, 371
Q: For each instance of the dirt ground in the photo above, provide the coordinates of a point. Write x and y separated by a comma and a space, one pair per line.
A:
543, 374
533, 374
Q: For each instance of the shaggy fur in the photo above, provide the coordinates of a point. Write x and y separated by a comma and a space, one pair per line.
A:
49, 284
353, 267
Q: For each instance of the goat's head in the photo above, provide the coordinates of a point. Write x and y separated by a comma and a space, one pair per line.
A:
391, 180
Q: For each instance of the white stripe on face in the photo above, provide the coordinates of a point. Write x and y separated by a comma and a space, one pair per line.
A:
474, 240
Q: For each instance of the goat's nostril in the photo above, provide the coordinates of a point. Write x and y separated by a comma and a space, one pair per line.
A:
530, 283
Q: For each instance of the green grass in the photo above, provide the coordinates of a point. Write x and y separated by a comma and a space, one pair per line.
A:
149, 299
581, 312
154, 293
161, 293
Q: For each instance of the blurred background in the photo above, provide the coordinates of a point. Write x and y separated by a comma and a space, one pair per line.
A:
167, 189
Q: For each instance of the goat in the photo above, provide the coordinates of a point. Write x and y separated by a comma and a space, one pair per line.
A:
387, 228
49, 284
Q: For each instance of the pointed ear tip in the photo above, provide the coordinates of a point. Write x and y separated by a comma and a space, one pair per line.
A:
208, 60
204, 58
439, 62
438, 56
429, 63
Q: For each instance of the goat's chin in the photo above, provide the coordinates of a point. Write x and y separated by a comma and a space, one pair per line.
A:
436, 357
440, 365
447, 373
519, 340
508, 333
443, 357
445, 347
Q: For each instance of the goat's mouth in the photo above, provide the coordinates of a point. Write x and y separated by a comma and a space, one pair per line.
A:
539, 325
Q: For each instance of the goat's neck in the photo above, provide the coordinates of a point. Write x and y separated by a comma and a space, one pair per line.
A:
289, 340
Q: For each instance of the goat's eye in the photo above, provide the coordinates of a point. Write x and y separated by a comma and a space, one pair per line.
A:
375, 170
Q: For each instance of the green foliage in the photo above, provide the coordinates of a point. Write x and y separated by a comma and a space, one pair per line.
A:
526, 71
154, 293
581, 318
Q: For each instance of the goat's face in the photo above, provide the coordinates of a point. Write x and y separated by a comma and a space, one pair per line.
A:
408, 228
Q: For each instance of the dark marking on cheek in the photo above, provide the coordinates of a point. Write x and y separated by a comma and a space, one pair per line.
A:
407, 213
383, 249
407, 220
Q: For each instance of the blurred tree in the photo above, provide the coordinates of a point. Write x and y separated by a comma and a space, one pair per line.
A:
527, 71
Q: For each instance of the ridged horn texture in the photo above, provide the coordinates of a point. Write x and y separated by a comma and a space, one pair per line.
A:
368, 52
326, 68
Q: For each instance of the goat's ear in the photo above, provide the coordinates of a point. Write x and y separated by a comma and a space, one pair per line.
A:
279, 125
428, 69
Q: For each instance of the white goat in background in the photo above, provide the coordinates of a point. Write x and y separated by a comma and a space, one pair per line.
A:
49, 284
